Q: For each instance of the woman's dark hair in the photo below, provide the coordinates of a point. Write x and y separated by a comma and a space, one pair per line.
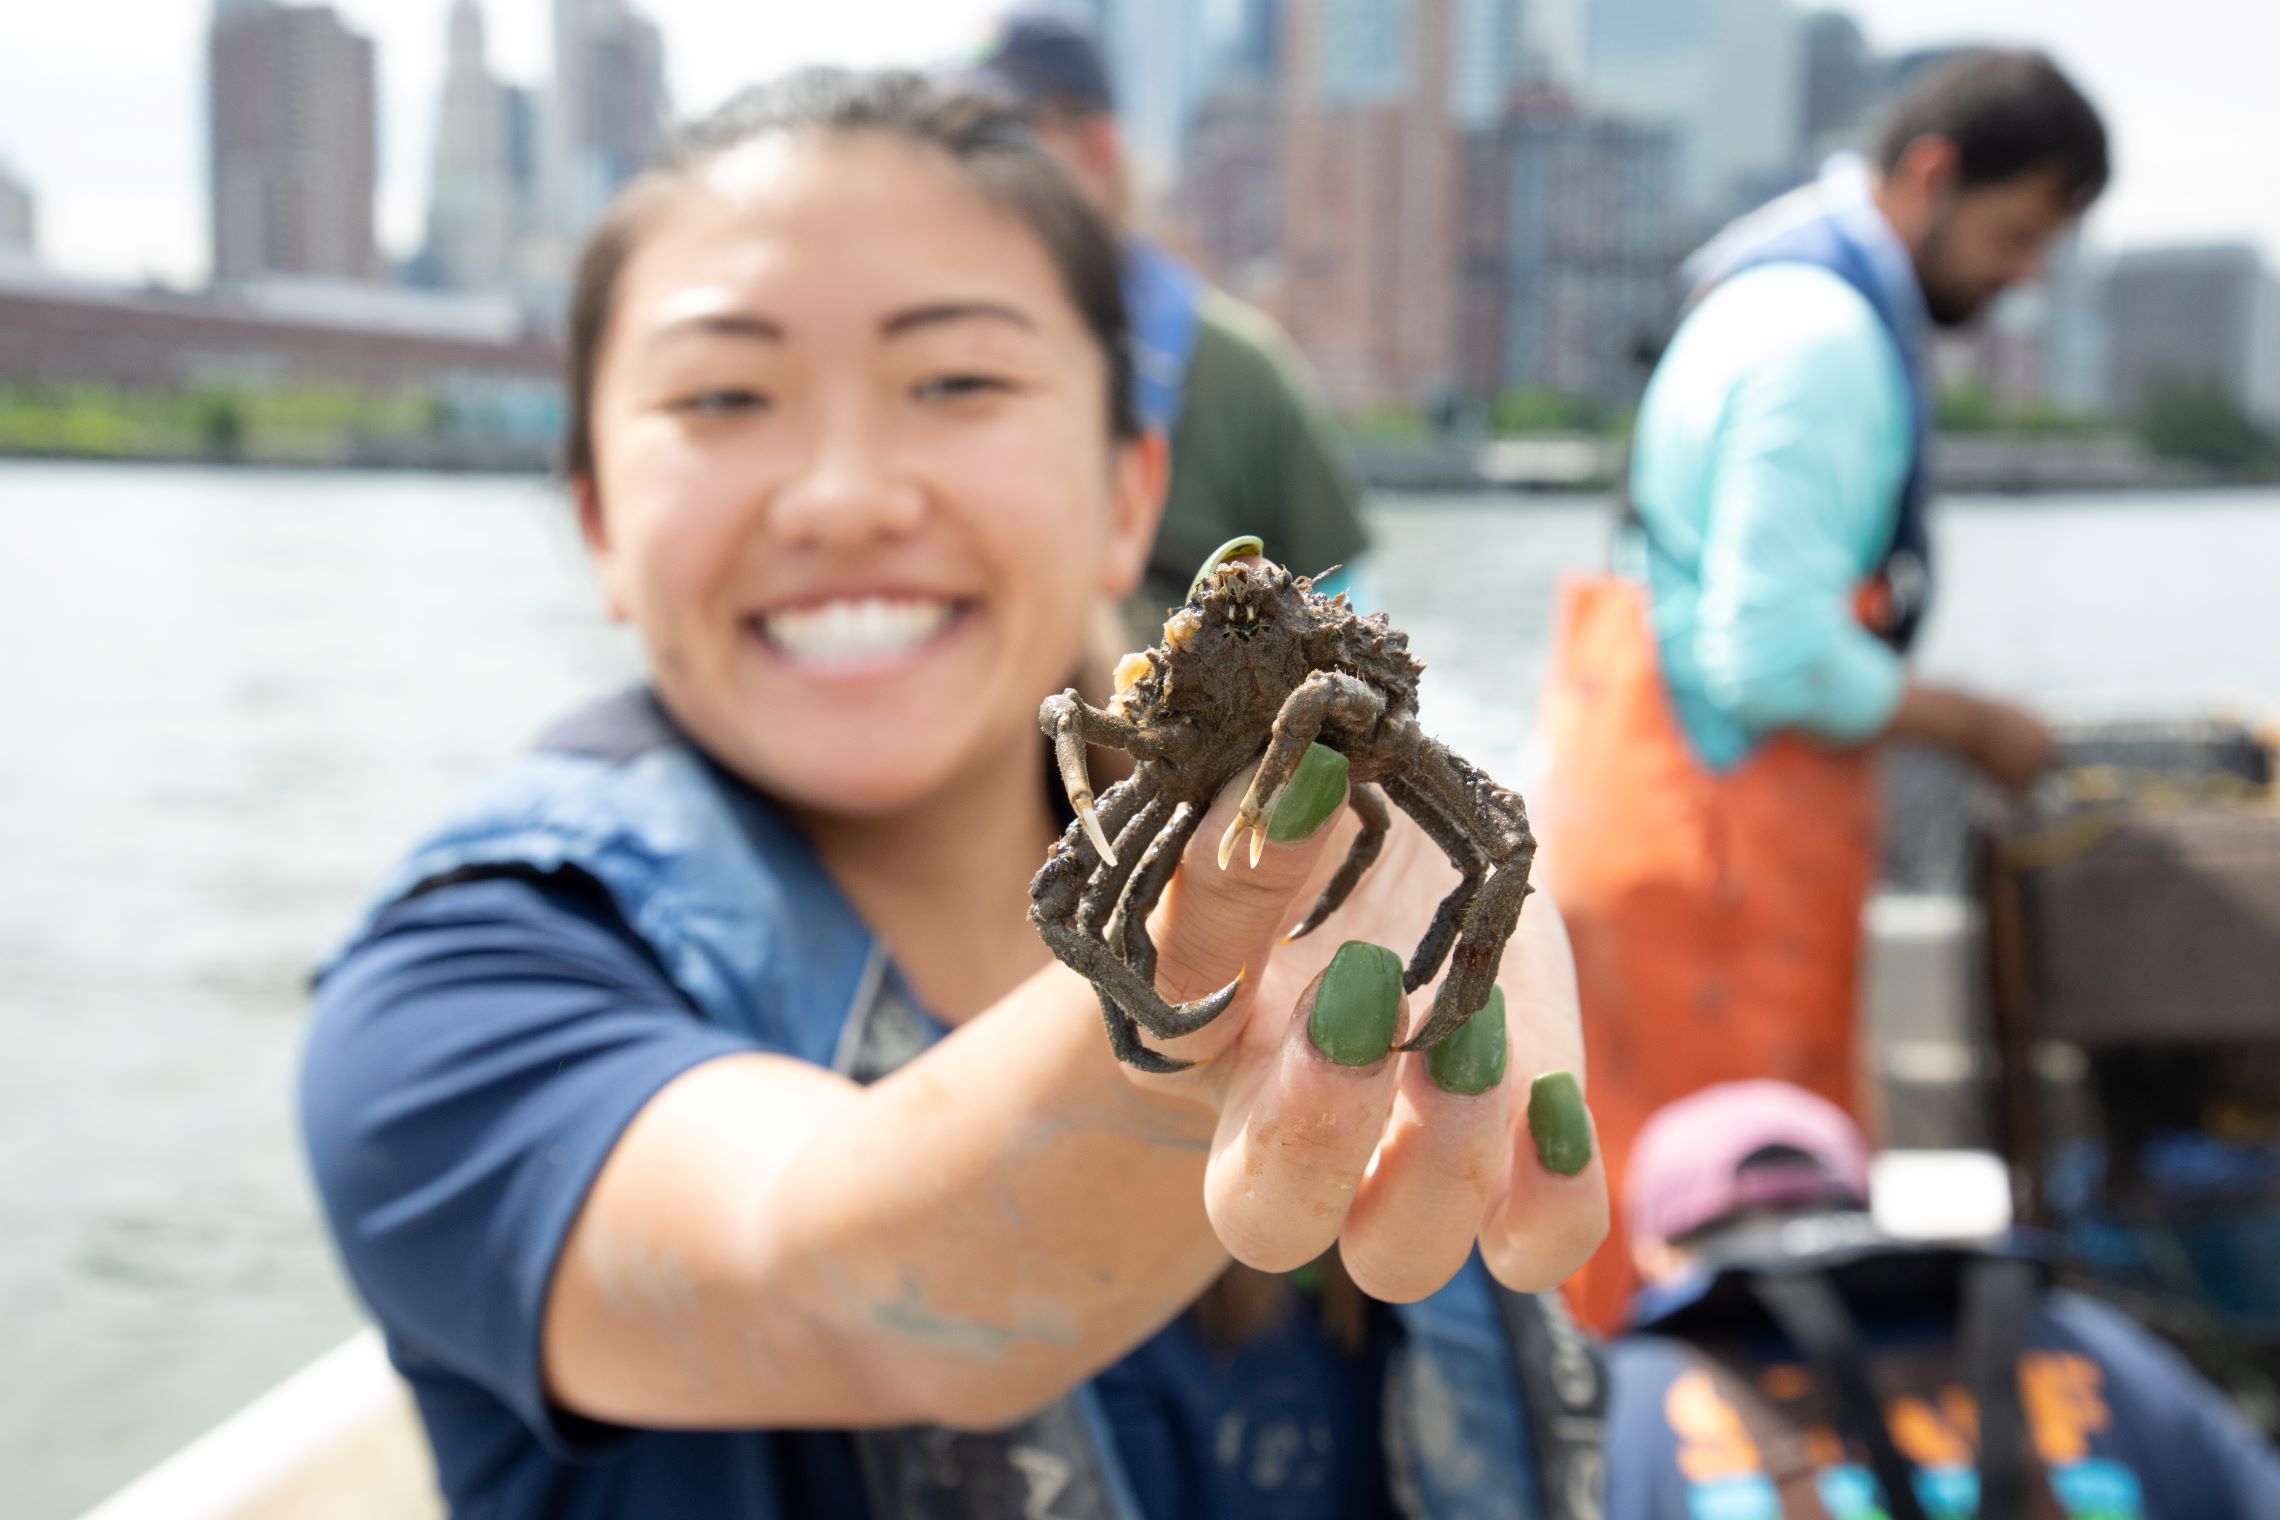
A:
2008, 114
985, 138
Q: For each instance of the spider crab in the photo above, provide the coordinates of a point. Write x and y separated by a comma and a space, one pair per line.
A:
1255, 667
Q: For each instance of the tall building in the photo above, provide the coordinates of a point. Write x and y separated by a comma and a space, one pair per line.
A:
1363, 54
2073, 376
1254, 49
606, 113
1160, 60
1590, 222
2193, 316
1552, 36
1839, 87
293, 163
1726, 76
19, 221
473, 208
1370, 213
1489, 61
1229, 202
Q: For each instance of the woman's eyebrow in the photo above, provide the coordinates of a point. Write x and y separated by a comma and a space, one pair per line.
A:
721, 324
940, 312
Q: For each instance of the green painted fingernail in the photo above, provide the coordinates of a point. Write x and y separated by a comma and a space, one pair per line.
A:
1471, 1059
1315, 790
1560, 1123
1234, 548
1357, 1004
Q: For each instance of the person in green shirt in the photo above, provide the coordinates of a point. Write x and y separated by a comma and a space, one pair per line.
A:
1253, 450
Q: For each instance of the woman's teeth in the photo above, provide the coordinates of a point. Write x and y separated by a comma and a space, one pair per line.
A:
862, 628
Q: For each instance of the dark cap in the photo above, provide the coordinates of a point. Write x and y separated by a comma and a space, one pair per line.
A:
1041, 55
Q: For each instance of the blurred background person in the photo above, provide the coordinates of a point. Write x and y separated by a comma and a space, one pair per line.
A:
1253, 450
1786, 1359
1710, 820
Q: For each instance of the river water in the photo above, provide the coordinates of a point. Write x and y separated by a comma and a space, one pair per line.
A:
228, 699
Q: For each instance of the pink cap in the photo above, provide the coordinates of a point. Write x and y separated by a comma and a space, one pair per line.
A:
1686, 1166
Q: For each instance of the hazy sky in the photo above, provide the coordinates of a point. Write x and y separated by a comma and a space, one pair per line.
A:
101, 100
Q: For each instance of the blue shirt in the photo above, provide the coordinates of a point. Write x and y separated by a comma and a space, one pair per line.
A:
1772, 446
473, 1061
2125, 1429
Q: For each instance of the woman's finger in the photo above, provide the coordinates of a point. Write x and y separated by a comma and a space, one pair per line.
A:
1439, 1167
1301, 1121
1553, 1214
1216, 922
1553, 1211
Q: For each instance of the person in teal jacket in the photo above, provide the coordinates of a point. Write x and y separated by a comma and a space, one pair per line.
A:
1710, 816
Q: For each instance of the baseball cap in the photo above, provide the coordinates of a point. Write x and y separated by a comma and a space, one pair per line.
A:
1040, 55
1736, 1146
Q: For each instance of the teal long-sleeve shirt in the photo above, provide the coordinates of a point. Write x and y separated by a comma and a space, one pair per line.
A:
1772, 446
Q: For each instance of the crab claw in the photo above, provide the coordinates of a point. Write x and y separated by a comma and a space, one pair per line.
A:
1234, 837
1251, 816
1069, 751
1231, 838
1091, 820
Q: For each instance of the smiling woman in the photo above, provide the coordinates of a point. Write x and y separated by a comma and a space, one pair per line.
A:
631, 1102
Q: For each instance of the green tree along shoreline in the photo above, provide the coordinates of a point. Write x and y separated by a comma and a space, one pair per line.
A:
321, 423
2193, 423
314, 423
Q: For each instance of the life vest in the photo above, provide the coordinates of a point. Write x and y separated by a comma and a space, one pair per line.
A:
1494, 1398
1714, 916
1801, 229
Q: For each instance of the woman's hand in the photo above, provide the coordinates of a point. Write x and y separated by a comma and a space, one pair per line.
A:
1327, 1134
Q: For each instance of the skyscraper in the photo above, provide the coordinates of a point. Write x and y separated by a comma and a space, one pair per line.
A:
1370, 228
1725, 74
1839, 86
1254, 51
291, 121
1160, 61
606, 113
2194, 316
18, 218
1488, 60
1590, 227
472, 211
1364, 51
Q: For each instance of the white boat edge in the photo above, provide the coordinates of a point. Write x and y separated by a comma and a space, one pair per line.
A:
339, 1438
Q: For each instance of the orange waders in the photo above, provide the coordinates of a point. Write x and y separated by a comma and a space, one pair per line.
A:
1716, 918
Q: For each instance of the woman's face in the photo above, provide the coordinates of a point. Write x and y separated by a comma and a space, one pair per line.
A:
853, 480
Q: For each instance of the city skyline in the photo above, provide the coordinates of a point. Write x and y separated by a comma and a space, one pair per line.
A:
118, 172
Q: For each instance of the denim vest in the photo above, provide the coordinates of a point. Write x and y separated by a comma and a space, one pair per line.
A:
729, 898
1829, 229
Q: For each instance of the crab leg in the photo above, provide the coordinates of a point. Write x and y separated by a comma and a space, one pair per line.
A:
1125, 996
1458, 846
1128, 931
1322, 696
1072, 725
1107, 883
1495, 824
1369, 806
1056, 892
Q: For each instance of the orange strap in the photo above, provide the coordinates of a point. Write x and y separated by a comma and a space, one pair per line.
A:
1715, 916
